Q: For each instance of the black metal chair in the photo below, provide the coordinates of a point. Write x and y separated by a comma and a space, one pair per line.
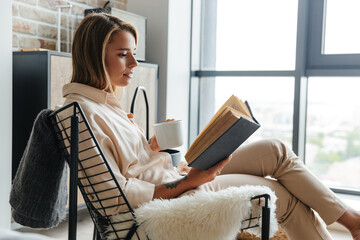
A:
87, 162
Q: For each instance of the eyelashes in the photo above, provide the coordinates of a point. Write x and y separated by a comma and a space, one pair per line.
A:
124, 55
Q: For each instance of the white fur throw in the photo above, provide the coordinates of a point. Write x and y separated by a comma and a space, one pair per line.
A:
203, 215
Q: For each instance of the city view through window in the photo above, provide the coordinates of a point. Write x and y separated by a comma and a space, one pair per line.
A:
333, 121
270, 99
333, 130
332, 147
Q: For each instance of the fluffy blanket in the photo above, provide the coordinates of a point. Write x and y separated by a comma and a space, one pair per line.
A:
203, 215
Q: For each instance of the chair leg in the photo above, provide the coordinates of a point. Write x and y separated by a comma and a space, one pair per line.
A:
74, 148
95, 234
265, 228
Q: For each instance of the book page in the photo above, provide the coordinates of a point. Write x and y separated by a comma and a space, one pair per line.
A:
244, 107
233, 102
236, 107
209, 135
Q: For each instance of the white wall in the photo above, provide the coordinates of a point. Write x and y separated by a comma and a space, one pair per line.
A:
6, 110
168, 45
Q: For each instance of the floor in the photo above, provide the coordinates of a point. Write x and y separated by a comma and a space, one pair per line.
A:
85, 229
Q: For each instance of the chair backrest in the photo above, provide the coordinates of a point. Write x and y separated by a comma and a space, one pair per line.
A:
101, 191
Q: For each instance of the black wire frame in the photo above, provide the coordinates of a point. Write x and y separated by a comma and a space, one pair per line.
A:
71, 152
264, 217
76, 118
133, 102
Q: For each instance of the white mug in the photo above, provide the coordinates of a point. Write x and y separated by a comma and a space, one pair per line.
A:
169, 134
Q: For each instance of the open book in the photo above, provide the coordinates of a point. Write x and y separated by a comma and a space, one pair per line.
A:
232, 124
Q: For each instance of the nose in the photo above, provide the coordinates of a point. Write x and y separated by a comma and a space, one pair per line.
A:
133, 62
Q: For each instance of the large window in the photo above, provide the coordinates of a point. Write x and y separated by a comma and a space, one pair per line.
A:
333, 130
341, 24
271, 98
297, 63
256, 35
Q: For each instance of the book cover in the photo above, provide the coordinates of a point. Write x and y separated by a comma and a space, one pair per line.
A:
232, 124
226, 144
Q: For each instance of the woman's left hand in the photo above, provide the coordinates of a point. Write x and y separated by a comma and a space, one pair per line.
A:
153, 144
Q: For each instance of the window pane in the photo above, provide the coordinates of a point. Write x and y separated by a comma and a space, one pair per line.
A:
333, 130
271, 100
341, 28
256, 34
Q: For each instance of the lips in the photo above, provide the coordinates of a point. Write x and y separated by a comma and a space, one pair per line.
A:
129, 75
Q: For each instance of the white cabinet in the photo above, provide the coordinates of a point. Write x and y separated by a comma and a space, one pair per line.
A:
38, 78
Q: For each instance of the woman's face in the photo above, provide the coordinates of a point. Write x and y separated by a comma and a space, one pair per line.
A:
119, 58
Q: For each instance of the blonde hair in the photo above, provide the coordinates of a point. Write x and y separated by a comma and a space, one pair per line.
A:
88, 49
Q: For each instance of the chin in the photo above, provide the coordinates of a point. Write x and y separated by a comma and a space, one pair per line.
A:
126, 83
123, 83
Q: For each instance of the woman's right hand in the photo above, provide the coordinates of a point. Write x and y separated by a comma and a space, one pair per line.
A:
194, 178
197, 177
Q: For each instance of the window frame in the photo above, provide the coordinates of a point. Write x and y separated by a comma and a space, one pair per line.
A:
340, 64
309, 62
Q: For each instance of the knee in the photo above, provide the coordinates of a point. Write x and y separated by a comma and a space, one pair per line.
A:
273, 143
285, 204
284, 159
277, 144
281, 150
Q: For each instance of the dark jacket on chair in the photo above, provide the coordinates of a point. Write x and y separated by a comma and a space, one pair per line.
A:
39, 192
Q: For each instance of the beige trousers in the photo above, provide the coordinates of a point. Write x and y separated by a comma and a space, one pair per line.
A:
299, 192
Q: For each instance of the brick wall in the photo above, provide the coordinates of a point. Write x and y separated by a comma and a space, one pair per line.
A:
35, 21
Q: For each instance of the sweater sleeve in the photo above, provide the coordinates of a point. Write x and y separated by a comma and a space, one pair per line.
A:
102, 189
136, 191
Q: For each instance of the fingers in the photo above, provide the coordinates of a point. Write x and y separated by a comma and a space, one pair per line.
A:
219, 167
203, 176
170, 120
154, 144
224, 162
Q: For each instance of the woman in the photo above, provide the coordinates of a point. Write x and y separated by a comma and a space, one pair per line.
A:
103, 59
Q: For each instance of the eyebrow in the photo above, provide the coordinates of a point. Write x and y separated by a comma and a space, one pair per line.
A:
125, 49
